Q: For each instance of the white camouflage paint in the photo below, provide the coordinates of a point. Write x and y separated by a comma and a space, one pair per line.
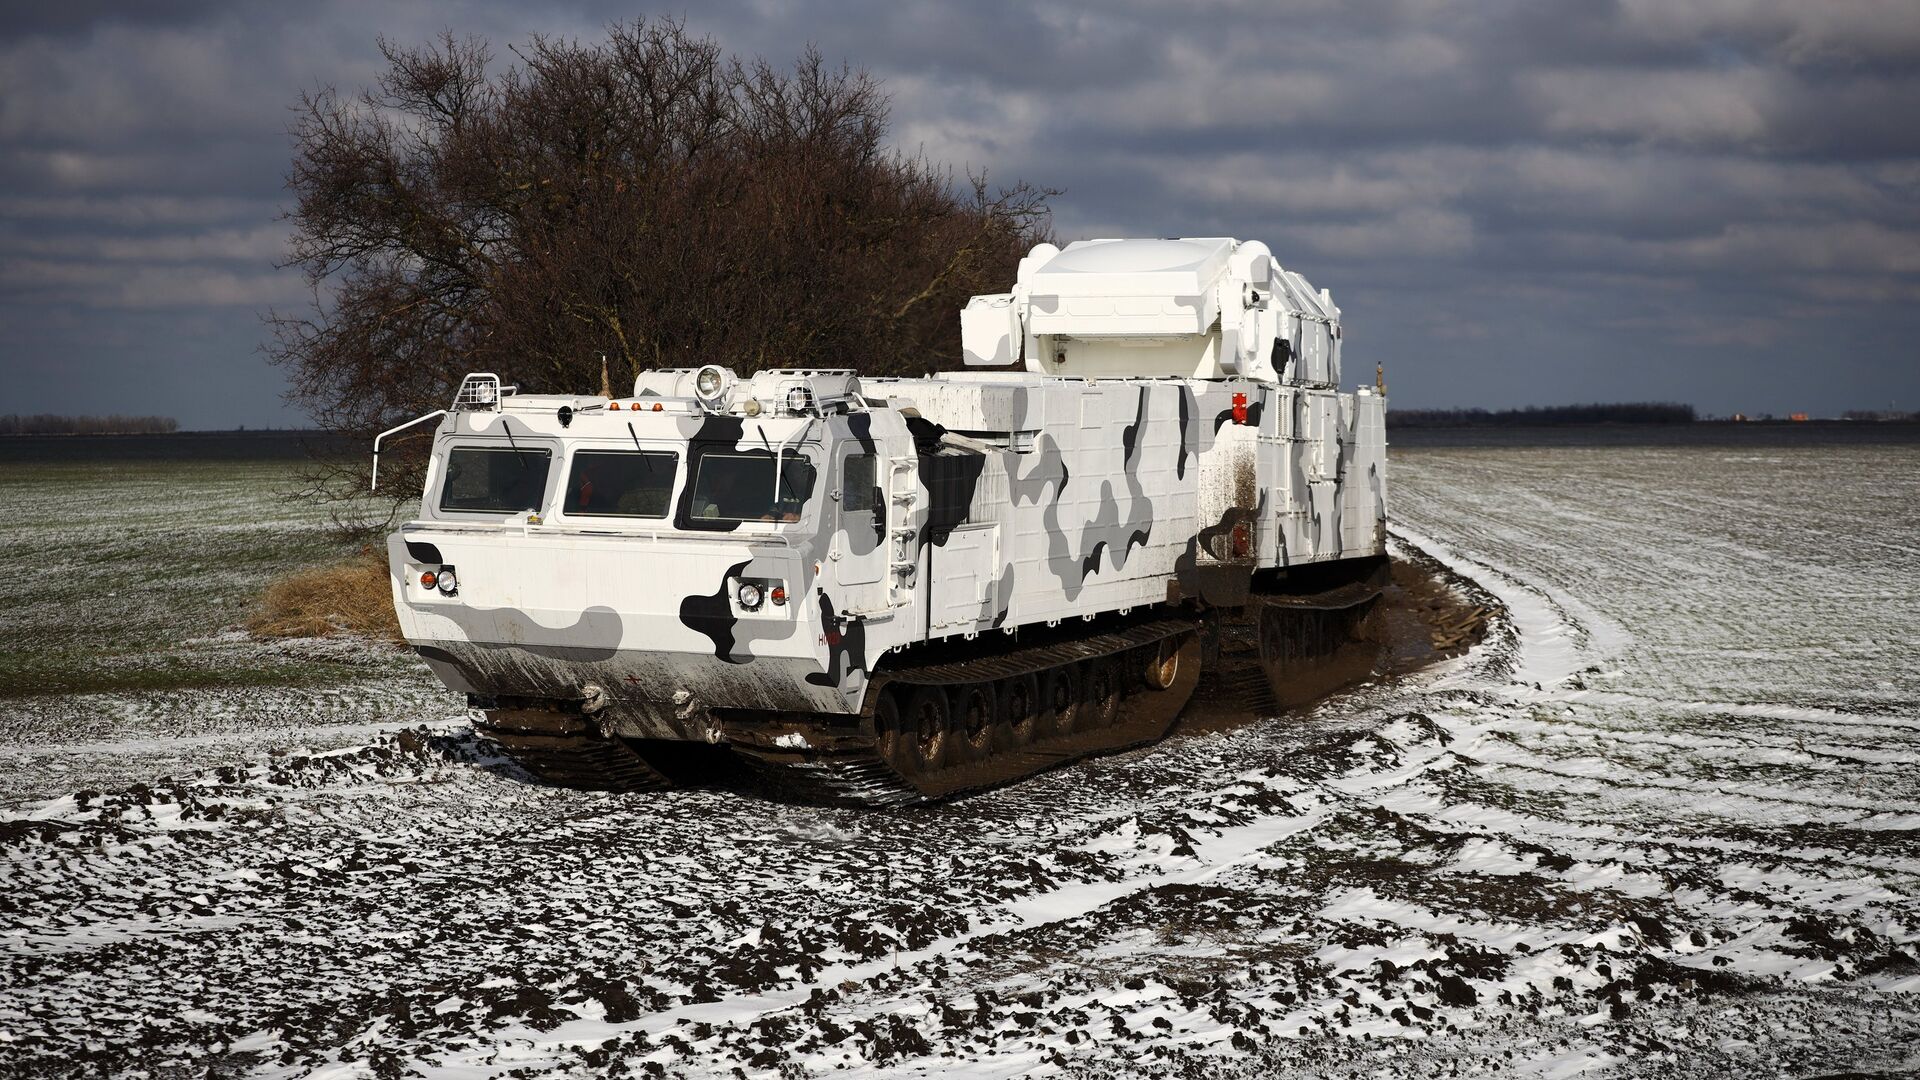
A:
1005, 500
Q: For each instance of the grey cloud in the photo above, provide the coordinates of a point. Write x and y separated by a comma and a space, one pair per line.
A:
1844, 33
256, 245
133, 211
1513, 201
1665, 106
112, 286
77, 17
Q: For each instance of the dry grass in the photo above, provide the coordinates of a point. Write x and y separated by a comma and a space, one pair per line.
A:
347, 597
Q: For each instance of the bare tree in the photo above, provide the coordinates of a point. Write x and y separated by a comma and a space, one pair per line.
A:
646, 197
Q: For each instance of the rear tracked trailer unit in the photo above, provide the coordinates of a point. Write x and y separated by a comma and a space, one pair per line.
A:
889, 590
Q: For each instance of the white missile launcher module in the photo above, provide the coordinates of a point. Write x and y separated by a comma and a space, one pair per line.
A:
890, 589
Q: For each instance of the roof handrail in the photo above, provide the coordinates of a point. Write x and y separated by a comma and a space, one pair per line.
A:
480, 391
434, 415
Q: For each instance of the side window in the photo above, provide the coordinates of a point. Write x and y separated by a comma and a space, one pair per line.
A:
621, 483
729, 486
494, 480
859, 491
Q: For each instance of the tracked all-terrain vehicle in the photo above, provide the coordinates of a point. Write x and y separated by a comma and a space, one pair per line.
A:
886, 590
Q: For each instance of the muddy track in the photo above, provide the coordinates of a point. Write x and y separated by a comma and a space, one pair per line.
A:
1142, 716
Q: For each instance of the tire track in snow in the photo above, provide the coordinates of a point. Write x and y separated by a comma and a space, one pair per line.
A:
1555, 635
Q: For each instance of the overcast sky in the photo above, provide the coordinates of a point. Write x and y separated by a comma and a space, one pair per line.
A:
1709, 201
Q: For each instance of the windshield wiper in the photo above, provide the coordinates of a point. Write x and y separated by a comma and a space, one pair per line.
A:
645, 458
518, 454
780, 459
787, 481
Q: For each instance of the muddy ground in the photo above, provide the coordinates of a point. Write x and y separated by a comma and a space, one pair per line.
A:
1637, 828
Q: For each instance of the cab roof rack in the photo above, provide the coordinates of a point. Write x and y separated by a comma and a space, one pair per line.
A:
480, 391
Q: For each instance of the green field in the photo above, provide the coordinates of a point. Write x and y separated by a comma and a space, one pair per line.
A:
125, 576
124, 589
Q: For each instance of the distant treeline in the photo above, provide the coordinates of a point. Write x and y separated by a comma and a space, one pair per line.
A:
1645, 412
48, 424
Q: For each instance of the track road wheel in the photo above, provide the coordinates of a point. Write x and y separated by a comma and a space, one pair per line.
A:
1019, 711
928, 730
976, 710
889, 737
1162, 667
1060, 706
1103, 690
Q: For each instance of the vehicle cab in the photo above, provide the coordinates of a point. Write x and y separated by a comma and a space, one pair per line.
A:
703, 543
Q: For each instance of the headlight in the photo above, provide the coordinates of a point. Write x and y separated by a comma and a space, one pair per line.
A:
447, 583
708, 382
749, 595
798, 399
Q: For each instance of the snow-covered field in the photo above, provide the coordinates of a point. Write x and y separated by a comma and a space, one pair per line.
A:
1664, 822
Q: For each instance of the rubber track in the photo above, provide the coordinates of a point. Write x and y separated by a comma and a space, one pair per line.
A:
567, 750
1038, 657
1340, 598
863, 778
842, 780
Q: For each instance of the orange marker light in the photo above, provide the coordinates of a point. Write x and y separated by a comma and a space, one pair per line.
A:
779, 595
656, 406
429, 578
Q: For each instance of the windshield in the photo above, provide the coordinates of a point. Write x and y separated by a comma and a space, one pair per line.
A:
731, 486
621, 483
497, 481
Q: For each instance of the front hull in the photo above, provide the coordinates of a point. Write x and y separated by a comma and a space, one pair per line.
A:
633, 692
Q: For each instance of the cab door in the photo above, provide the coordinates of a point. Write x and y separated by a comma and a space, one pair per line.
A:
859, 547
